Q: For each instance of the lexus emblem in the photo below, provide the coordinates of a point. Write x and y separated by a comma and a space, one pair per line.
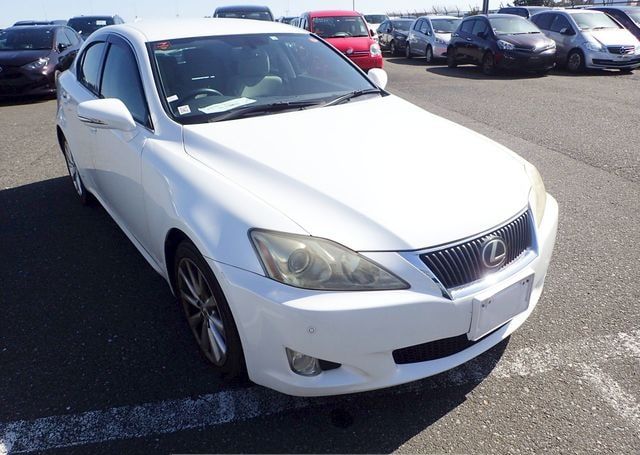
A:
349, 51
494, 252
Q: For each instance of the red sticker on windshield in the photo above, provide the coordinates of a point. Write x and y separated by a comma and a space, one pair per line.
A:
163, 46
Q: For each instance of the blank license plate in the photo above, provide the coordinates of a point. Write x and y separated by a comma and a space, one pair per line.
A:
493, 310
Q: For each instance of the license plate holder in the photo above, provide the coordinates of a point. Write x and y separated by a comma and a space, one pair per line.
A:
493, 309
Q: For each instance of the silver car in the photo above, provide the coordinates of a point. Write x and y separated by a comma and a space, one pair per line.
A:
429, 36
589, 39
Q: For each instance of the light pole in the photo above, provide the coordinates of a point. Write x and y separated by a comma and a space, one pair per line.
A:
353, 4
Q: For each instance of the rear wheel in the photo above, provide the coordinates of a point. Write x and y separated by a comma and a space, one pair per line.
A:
428, 55
575, 61
451, 58
393, 49
407, 52
74, 173
207, 311
488, 64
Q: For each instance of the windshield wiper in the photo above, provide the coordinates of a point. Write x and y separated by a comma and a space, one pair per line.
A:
263, 108
348, 96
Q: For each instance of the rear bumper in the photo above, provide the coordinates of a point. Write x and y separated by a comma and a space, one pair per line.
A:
514, 60
361, 330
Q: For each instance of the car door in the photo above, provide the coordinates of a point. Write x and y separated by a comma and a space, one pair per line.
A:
117, 154
479, 40
426, 31
465, 38
382, 35
82, 86
562, 32
414, 35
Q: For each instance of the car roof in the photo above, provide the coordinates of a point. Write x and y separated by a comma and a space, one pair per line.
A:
331, 13
242, 8
34, 27
582, 10
96, 16
168, 29
438, 16
618, 7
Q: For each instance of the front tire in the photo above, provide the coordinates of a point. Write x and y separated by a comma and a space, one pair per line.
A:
393, 49
575, 61
488, 64
451, 58
74, 173
428, 55
407, 52
207, 311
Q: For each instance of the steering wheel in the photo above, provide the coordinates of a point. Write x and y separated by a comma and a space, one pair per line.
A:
201, 91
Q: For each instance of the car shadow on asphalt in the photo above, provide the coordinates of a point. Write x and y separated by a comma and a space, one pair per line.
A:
475, 72
23, 100
87, 324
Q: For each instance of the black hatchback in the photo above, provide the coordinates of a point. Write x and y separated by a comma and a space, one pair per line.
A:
502, 41
31, 56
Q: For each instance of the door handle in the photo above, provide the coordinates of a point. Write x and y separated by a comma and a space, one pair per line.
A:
468, 39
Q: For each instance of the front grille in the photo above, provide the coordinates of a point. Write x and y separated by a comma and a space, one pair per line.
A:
357, 54
434, 350
621, 49
462, 264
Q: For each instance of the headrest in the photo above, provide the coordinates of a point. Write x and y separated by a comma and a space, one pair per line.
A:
252, 63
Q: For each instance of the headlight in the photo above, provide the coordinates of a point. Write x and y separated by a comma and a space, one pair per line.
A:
551, 44
538, 194
505, 46
374, 50
38, 64
315, 263
637, 49
596, 47
440, 41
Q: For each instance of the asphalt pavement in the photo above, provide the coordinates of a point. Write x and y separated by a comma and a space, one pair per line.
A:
95, 356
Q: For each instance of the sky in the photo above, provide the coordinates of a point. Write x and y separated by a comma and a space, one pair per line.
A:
15, 10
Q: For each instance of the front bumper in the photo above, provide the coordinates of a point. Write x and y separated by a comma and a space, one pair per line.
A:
367, 62
18, 82
360, 330
440, 50
526, 61
609, 60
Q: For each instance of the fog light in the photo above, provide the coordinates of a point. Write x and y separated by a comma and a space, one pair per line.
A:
302, 364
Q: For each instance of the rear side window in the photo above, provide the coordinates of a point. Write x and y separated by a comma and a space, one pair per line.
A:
121, 80
71, 35
89, 71
480, 27
543, 21
467, 26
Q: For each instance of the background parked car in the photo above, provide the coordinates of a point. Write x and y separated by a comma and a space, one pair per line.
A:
523, 11
347, 31
31, 56
589, 39
501, 41
255, 12
392, 35
429, 36
29, 22
86, 25
628, 16
286, 19
374, 21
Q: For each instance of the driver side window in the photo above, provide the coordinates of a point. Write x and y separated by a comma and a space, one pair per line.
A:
121, 80
559, 23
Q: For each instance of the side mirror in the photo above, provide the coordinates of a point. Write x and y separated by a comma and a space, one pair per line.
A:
62, 47
428, 33
379, 77
482, 35
567, 31
108, 113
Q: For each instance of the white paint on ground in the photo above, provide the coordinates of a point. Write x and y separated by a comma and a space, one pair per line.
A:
170, 416
613, 394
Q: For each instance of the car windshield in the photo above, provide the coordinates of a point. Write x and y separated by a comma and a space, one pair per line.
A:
445, 25
593, 21
402, 25
85, 26
204, 79
26, 39
514, 25
339, 26
375, 18
255, 15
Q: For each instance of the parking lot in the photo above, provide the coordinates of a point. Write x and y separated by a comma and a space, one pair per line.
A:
96, 357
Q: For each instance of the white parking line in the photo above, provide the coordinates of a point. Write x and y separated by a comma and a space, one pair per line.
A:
171, 416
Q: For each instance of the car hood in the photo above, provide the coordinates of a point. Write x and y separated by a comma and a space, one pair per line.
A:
446, 37
358, 44
532, 41
19, 58
612, 37
333, 172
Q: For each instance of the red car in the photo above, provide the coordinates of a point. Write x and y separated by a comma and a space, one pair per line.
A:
347, 31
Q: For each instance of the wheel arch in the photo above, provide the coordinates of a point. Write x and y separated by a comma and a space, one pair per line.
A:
173, 238
61, 137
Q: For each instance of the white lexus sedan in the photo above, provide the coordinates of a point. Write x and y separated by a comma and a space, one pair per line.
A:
309, 251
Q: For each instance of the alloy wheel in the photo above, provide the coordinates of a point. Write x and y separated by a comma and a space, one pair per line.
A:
394, 51
73, 170
202, 311
488, 64
429, 55
407, 51
575, 62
